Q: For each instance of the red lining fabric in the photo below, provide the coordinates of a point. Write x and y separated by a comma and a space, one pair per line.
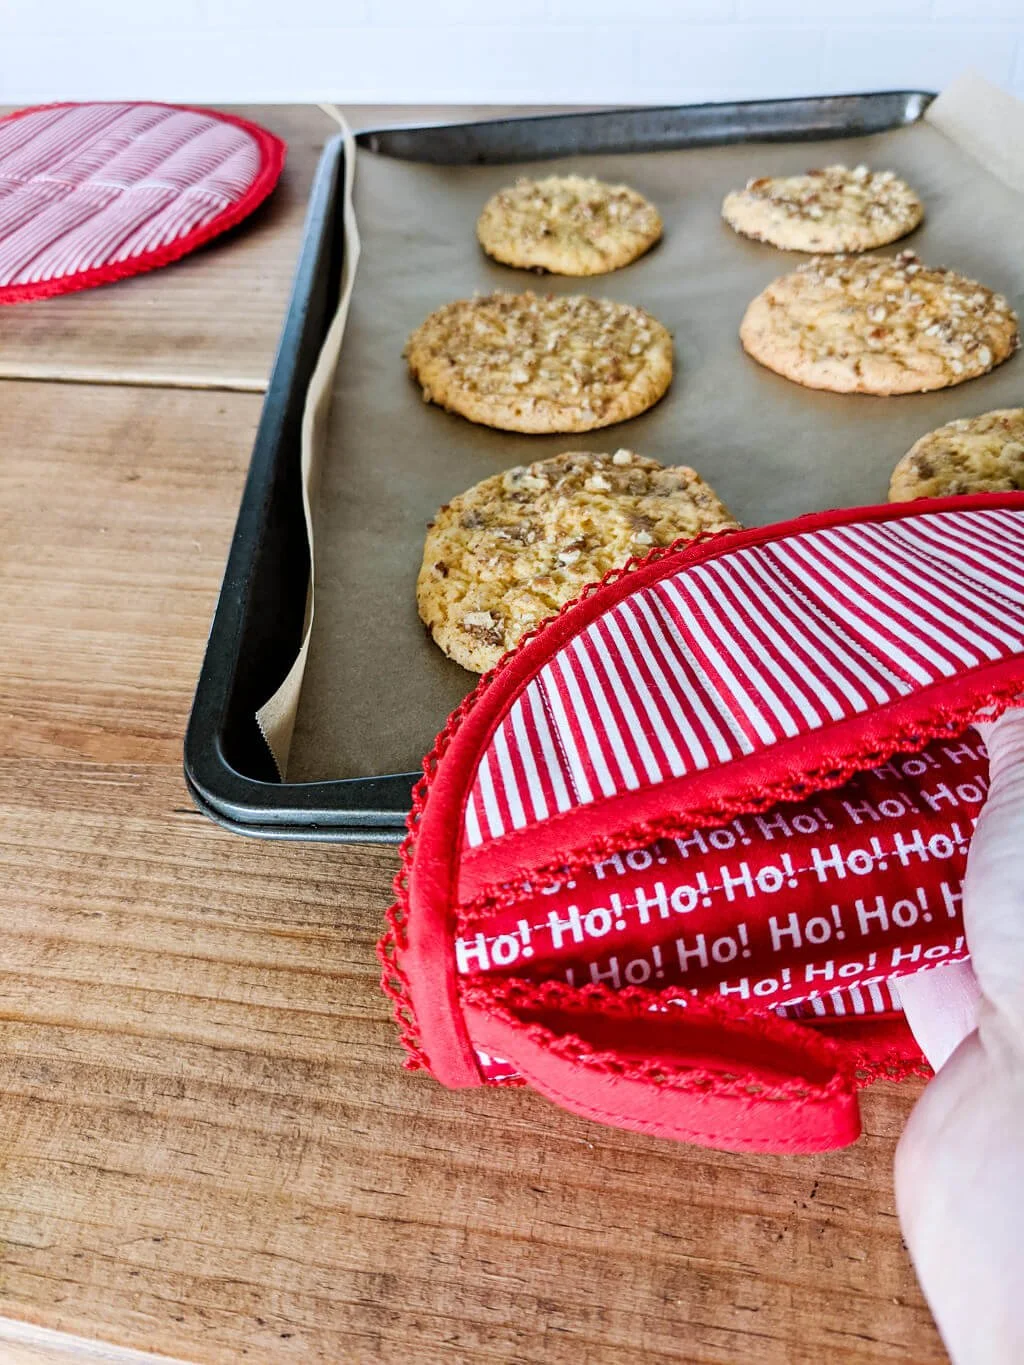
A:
810, 912
270, 155
443, 878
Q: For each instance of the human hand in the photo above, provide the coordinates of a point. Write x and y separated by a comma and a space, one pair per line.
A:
960, 1162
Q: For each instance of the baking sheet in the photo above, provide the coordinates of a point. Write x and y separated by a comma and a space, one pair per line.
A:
376, 690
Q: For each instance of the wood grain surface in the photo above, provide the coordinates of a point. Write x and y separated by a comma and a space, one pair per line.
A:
208, 1147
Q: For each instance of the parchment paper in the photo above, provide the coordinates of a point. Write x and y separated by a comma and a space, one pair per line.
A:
376, 689
276, 717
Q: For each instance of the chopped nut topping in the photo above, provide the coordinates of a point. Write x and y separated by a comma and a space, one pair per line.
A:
851, 323
568, 224
983, 454
540, 534
529, 363
831, 209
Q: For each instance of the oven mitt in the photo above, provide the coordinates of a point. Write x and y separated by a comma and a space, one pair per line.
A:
91, 193
669, 862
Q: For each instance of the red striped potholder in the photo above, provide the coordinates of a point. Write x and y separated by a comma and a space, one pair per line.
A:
91, 193
669, 861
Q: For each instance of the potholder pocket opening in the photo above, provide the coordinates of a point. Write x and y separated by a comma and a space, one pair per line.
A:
735, 787
792, 905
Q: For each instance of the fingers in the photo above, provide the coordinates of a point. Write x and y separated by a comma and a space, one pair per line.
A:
961, 1204
941, 1007
942, 1004
994, 884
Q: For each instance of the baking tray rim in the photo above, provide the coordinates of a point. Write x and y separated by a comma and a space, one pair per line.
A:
382, 140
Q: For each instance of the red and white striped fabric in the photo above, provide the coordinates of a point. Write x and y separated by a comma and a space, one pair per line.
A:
93, 192
732, 655
877, 997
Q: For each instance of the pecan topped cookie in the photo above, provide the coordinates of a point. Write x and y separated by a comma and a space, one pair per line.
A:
828, 210
512, 550
878, 324
983, 454
524, 362
568, 225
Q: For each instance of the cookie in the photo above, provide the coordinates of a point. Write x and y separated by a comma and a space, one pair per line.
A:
523, 362
983, 454
568, 225
512, 550
878, 324
834, 209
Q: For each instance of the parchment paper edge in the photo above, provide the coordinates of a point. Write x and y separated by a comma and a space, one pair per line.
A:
276, 717
986, 123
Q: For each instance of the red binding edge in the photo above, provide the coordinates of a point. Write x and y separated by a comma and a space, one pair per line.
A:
433, 1027
818, 1101
272, 151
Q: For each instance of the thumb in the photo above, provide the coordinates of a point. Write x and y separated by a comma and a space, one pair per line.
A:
994, 884
941, 1007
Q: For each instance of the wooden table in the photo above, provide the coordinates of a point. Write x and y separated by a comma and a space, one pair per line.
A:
208, 1147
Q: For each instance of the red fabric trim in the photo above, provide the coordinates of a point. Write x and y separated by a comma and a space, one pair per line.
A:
880, 1049
433, 881
272, 157
394, 945
703, 1075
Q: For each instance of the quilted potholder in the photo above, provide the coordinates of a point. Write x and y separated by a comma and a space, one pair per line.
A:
669, 862
91, 193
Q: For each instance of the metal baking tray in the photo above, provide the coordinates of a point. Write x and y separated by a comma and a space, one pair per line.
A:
258, 621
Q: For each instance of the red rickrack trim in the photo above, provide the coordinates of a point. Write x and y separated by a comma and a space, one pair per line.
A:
891, 1066
503, 997
272, 151
394, 982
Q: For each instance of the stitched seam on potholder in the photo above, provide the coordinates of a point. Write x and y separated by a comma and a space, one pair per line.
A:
80, 138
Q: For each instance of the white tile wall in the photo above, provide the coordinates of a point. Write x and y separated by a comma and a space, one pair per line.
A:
904, 59
481, 51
